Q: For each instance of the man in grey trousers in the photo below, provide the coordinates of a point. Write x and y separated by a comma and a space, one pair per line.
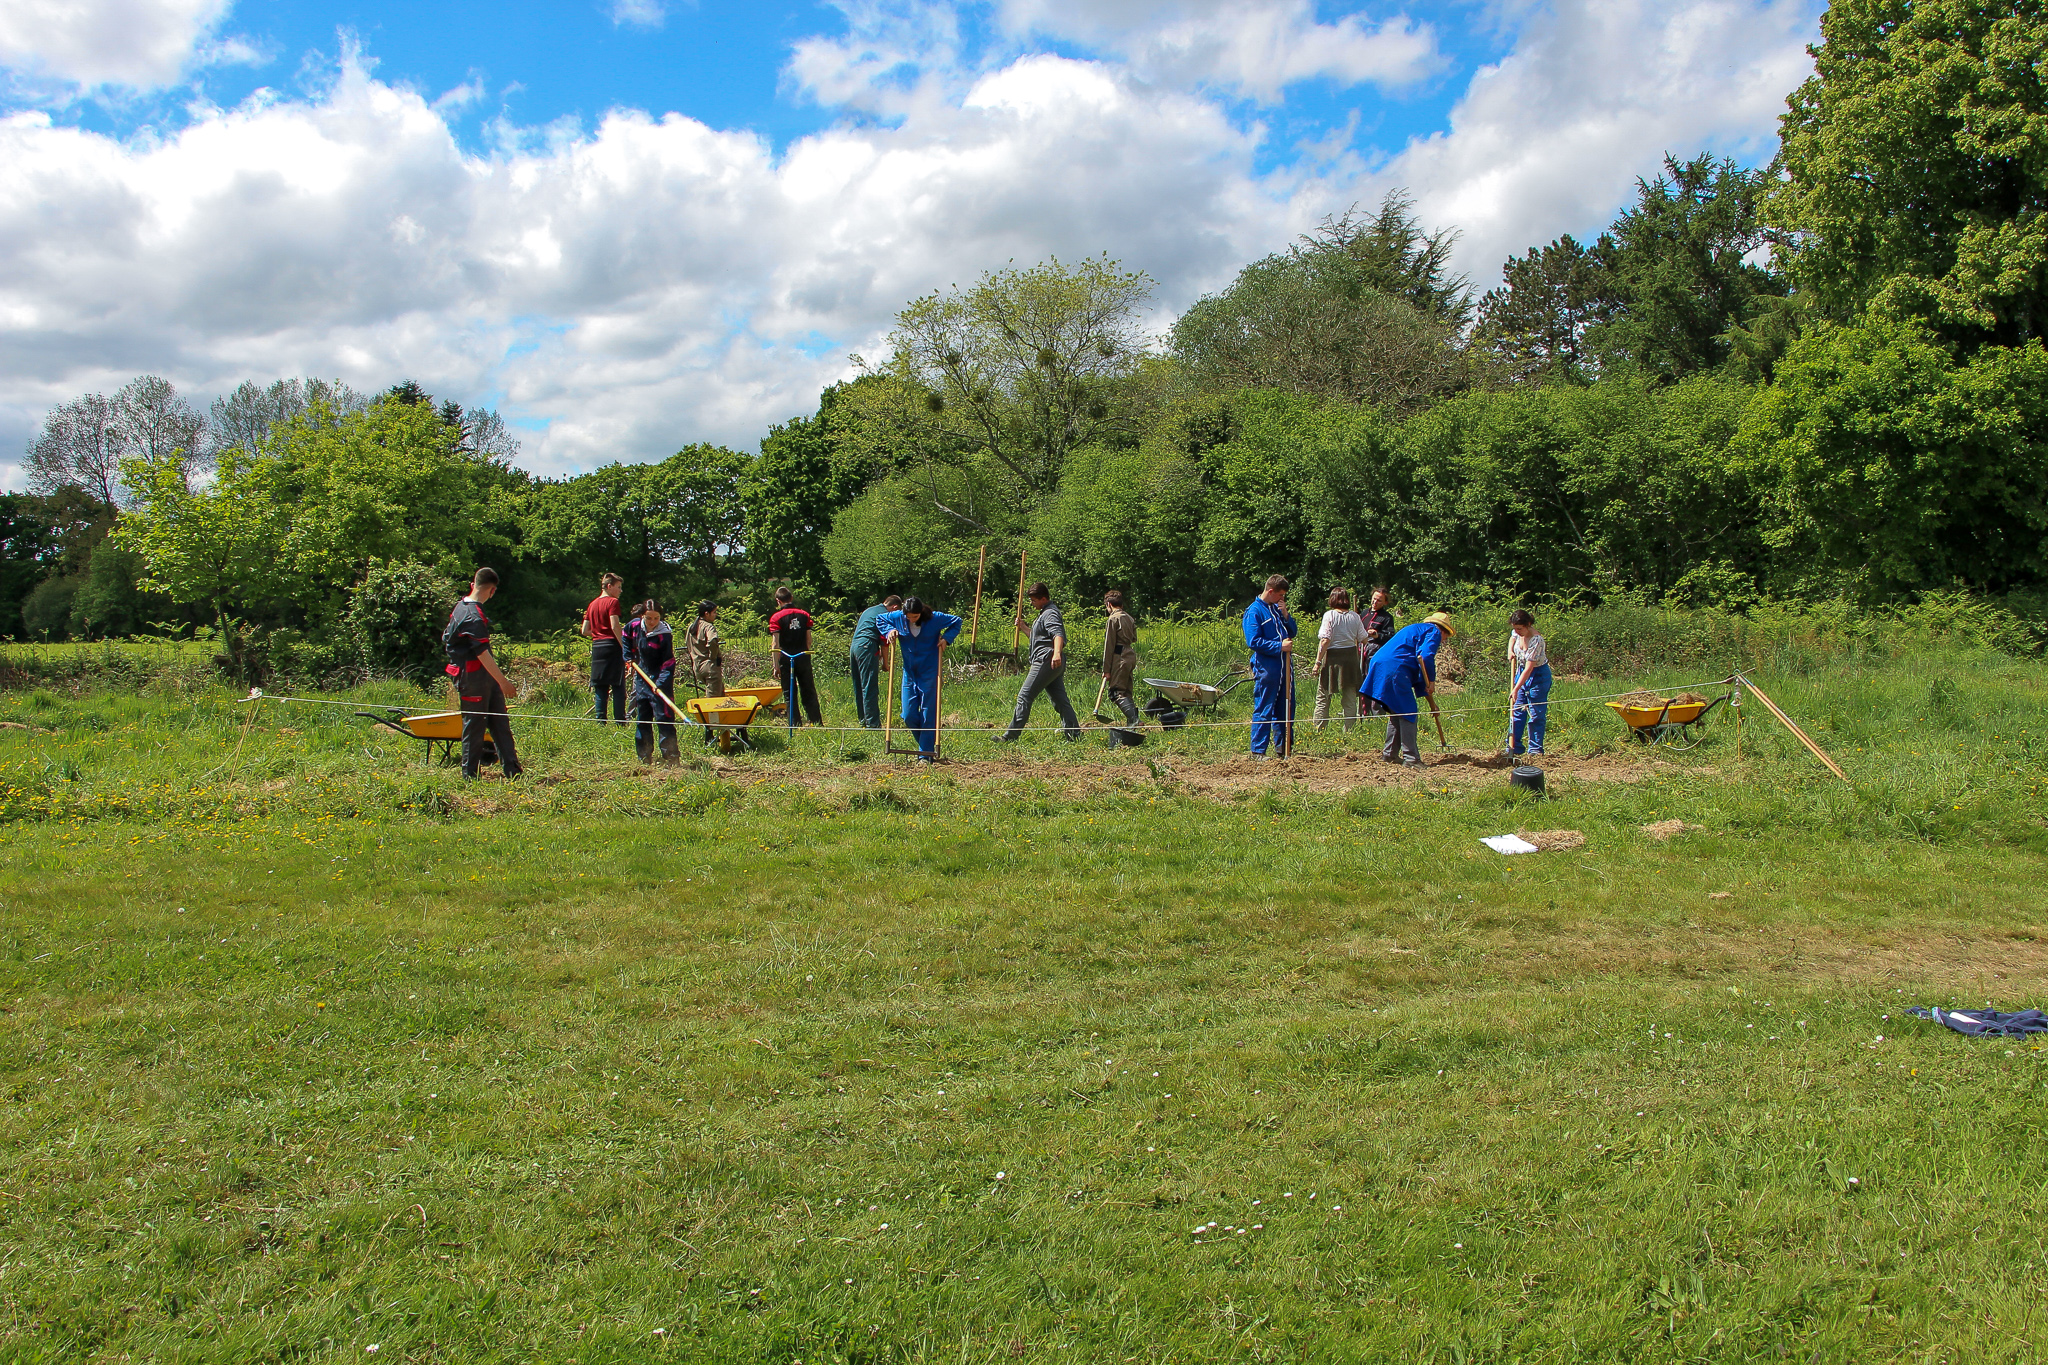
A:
1048, 671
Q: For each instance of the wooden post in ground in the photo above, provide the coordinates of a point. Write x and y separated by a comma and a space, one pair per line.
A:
1017, 626
974, 631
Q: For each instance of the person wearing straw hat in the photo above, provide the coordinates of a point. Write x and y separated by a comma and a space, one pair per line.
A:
1401, 670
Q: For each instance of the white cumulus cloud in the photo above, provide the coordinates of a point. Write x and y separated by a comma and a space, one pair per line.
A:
136, 43
624, 289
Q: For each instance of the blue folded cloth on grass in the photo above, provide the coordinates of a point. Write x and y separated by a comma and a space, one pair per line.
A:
1986, 1023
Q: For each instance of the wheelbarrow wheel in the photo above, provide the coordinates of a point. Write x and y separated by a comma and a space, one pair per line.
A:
725, 740
1682, 737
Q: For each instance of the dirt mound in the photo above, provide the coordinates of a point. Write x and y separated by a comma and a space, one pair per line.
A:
1665, 829
1553, 840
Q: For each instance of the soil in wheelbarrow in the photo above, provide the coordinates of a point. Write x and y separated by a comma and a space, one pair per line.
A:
1655, 700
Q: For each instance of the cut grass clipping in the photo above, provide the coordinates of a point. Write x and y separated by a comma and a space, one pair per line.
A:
806, 1057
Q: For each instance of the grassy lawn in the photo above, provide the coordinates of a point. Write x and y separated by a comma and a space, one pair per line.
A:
812, 1058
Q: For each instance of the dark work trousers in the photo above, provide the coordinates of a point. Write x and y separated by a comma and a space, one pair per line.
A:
1043, 677
867, 685
1124, 704
484, 722
803, 683
653, 715
608, 677
1401, 735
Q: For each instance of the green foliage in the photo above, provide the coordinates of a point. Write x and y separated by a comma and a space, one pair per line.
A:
1905, 464
1913, 166
793, 491
1537, 324
903, 535
664, 527
1365, 310
396, 613
46, 611
110, 601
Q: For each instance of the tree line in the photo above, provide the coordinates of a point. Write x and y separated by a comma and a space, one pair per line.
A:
1823, 377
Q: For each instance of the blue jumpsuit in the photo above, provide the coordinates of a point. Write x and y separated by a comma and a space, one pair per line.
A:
1395, 678
867, 681
1265, 627
920, 665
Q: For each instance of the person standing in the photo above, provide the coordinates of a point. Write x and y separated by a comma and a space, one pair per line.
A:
652, 645
1269, 631
1401, 670
1047, 672
481, 688
791, 628
1529, 694
1120, 655
1378, 620
607, 652
1340, 660
918, 631
707, 651
865, 656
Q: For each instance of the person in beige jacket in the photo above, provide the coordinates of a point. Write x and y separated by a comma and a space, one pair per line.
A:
1120, 655
706, 650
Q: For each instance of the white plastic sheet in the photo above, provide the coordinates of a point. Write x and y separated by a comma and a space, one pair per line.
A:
1508, 843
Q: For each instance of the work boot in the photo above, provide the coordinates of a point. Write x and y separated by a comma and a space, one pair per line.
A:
644, 746
670, 754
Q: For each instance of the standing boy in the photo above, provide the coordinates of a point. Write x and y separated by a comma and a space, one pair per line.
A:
707, 652
481, 687
1048, 670
1269, 633
865, 656
1120, 655
791, 628
607, 654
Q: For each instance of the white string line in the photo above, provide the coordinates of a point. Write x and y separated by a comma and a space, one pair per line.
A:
1496, 710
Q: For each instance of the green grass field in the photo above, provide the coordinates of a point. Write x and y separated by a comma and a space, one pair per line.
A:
312, 1053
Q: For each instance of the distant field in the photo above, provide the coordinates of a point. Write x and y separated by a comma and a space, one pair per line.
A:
808, 1056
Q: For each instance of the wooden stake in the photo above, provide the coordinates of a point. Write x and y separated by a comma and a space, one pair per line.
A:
888, 689
939, 698
974, 632
1786, 720
1017, 626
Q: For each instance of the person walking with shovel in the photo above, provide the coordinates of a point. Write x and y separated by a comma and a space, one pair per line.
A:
1120, 656
1401, 670
651, 658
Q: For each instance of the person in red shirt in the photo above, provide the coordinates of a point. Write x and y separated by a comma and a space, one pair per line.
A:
790, 627
601, 625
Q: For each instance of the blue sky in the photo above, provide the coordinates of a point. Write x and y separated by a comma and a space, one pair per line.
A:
632, 224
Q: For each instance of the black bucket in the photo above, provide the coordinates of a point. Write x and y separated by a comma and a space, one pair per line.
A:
1527, 778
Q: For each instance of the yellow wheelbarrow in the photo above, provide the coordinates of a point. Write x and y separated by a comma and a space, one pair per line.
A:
1673, 723
725, 719
443, 728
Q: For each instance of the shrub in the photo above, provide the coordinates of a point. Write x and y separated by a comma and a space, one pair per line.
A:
395, 616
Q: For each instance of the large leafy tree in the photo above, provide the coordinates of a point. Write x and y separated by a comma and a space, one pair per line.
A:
1683, 268
1538, 323
1018, 371
670, 527
1909, 465
1916, 165
1365, 310
791, 493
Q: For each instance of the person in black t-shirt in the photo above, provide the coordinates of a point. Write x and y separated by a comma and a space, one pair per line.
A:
791, 627
478, 683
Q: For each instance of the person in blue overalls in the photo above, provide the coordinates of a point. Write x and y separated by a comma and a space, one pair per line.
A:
1401, 670
864, 656
1529, 693
1269, 632
917, 631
